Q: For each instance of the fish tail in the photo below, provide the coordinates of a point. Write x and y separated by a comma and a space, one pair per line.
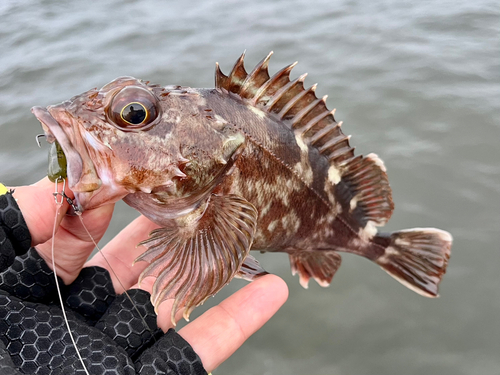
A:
417, 257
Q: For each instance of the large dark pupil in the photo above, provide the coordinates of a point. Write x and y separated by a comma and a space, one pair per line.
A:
134, 113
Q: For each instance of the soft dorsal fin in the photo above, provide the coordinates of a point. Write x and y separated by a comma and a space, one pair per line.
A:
364, 179
291, 103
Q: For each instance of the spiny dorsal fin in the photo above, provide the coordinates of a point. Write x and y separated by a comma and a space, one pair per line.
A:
364, 179
288, 101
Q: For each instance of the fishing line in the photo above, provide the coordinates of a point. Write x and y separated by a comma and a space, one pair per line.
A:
59, 204
114, 273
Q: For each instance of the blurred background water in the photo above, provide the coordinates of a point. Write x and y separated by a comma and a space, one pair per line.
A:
418, 83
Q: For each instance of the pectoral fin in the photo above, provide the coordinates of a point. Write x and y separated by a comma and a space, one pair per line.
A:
194, 261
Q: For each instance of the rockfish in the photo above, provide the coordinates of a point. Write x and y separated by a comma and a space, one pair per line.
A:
256, 163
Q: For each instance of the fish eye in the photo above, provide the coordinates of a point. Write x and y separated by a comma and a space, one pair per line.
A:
134, 113
133, 108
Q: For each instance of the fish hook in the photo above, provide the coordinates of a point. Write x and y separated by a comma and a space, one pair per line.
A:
37, 138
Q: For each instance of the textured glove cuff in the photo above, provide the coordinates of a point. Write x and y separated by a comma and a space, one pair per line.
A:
15, 238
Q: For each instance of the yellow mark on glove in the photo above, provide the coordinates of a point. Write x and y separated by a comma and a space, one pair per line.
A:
3, 189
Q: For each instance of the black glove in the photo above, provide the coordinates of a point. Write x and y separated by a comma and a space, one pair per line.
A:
113, 335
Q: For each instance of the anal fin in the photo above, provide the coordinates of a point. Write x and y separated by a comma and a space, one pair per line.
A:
321, 265
194, 261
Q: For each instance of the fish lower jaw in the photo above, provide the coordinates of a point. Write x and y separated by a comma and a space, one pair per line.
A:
103, 195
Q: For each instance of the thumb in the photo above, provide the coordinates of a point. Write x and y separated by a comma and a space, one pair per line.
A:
39, 208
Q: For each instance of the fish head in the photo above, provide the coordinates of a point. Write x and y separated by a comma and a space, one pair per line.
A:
131, 137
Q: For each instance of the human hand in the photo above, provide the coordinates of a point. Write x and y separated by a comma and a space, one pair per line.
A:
214, 336
72, 245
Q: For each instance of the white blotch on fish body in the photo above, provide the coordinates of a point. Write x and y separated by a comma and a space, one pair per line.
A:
353, 203
296, 226
300, 143
275, 190
368, 232
272, 226
355, 243
264, 210
308, 176
330, 217
284, 196
290, 223
259, 238
289, 184
304, 171
322, 220
303, 168
298, 168
249, 186
328, 232
265, 163
334, 175
336, 207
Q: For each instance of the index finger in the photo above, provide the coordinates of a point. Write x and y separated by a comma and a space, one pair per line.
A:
219, 332
119, 254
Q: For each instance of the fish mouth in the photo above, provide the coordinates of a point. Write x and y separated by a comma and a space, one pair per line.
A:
81, 174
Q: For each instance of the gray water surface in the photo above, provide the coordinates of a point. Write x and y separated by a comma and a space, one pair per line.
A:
418, 83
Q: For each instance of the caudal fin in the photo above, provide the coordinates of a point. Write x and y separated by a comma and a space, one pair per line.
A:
417, 258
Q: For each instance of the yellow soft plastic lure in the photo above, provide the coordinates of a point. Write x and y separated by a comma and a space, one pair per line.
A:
57, 163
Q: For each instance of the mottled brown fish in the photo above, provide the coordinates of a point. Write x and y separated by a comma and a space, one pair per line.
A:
257, 163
